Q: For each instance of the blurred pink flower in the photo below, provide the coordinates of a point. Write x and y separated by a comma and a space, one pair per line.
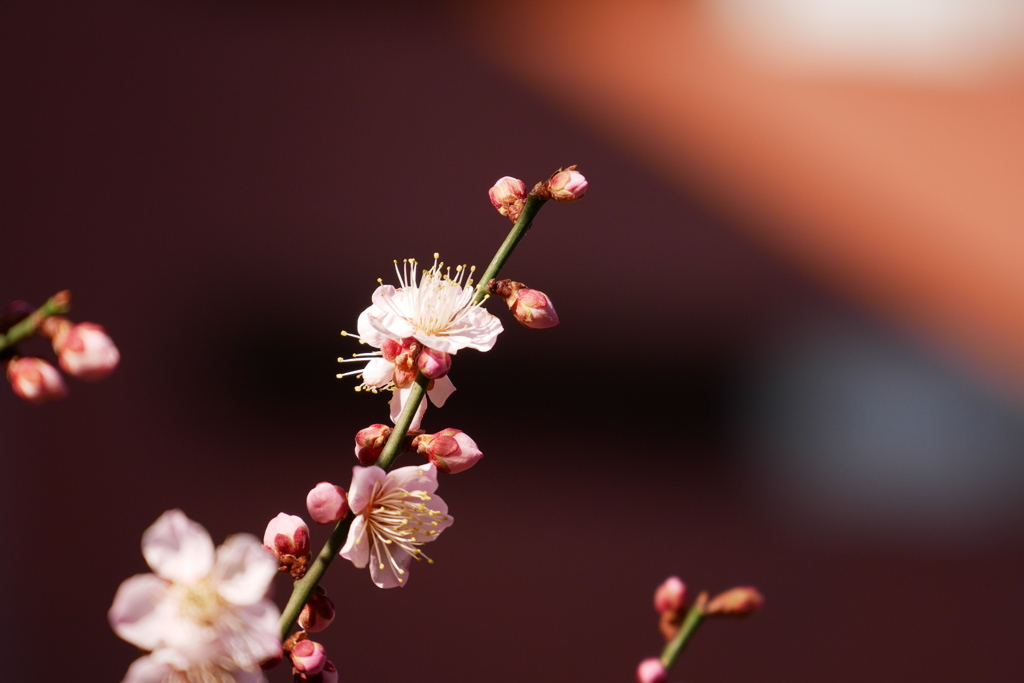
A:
395, 513
203, 612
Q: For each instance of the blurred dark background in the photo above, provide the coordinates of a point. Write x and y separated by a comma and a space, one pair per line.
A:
221, 183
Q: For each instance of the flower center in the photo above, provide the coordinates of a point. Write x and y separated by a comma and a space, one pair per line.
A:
438, 299
201, 603
399, 518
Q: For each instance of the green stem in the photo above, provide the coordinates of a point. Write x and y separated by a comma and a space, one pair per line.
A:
58, 304
675, 647
533, 204
304, 587
393, 447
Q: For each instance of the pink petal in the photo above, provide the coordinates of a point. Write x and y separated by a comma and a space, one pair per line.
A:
363, 481
356, 549
243, 570
147, 670
386, 577
178, 549
140, 610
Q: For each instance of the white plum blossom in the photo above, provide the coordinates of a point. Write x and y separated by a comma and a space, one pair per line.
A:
395, 513
203, 612
434, 308
429, 311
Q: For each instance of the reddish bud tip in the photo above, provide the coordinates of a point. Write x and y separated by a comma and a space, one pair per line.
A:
735, 602
317, 614
370, 442
450, 450
670, 596
308, 657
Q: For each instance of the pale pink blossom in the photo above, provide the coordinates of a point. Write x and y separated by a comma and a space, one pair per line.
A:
326, 503
670, 596
651, 670
395, 513
567, 185
85, 351
35, 380
203, 612
533, 308
450, 450
308, 657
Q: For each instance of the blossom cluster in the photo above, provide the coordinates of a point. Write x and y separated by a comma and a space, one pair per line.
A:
83, 350
203, 615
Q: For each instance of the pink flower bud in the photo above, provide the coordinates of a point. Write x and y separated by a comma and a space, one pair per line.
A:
35, 380
288, 537
85, 351
434, 364
318, 613
506, 193
370, 442
651, 671
670, 596
533, 309
567, 186
326, 503
308, 657
450, 450
735, 602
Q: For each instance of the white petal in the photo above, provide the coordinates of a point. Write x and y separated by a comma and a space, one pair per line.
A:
356, 549
442, 389
243, 570
178, 549
393, 320
378, 372
140, 611
367, 332
147, 670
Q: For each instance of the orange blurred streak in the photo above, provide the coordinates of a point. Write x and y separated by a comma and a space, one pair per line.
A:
908, 199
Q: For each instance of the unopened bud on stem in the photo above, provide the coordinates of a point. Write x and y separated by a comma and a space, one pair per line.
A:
735, 602
370, 442
287, 536
566, 185
326, 503
651, 671
35, 380
450, 450
508, 196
